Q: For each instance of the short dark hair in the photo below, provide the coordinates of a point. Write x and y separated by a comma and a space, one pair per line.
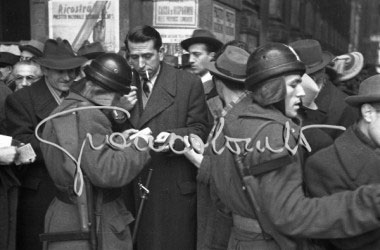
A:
144, 33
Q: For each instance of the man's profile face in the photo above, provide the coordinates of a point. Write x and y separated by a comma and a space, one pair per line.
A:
374, 125
60, 80
294, 92
144, 57
198, 57
5, 71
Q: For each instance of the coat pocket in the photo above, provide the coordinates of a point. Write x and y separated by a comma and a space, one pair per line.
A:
119, 224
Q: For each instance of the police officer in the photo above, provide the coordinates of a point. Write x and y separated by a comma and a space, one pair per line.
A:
273, 212
106, 165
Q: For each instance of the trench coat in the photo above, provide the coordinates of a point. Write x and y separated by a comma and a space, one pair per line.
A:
176, 104
346, 165
106, 168
278, 191
24, 109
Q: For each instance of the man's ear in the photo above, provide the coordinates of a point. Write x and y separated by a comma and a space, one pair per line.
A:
211, 56
367, 112
161, 53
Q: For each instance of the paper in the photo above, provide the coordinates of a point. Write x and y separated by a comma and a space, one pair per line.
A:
26, 154
5, 141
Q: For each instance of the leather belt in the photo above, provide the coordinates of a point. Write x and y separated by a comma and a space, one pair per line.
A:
70, 198
246, 224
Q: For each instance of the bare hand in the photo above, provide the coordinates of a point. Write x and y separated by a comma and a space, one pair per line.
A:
191, 155
129, 101
7, 155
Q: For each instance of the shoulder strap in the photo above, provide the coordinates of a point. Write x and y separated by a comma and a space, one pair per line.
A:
245, 176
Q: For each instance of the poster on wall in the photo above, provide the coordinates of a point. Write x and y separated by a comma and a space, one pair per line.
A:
175, 13
224, 21
79, 21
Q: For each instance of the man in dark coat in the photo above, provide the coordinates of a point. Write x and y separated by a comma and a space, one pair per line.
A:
169, 101
24, 110
332, 109
353, 159
260, 153
107, 168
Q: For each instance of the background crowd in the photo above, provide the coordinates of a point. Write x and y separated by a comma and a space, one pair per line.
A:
308, 189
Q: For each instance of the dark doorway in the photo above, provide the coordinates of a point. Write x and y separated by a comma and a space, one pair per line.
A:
14, 20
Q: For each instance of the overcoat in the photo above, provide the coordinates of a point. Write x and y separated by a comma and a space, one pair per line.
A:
346, 165
278, 190
24, 109
105, 167
177, 105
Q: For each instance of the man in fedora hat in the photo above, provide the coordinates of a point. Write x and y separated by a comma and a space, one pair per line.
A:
254, 169
228, 74
108, 78
353, 159
332, 109
30, 49
24, 110
202, 46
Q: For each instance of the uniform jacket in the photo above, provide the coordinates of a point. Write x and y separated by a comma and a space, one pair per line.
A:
346, 165
332, 110
24, 109
279, 192
177, 105
106, 168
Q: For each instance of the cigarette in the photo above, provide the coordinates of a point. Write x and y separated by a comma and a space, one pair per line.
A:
147, 74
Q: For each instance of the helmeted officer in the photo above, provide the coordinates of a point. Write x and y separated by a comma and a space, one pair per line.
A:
106, 164
274, 213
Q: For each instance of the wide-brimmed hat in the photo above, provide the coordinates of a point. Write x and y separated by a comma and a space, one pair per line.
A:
348, 65
369, 91
230, 65
33, 46
8, 59
91, 50
311, 92
202, 36
59, 55
310, 53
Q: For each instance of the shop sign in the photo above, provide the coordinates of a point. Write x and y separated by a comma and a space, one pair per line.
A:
224, 22
81, 20
175, 13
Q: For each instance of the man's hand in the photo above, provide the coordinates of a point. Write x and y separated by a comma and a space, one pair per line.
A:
191, 155
129, 101
8, 155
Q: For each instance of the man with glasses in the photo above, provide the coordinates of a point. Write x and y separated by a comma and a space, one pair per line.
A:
24, 109
24, 73
353, 159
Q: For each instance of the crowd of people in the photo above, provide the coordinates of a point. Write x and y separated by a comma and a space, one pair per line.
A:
230, 149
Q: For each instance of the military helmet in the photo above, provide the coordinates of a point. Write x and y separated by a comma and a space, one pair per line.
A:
270, 61
110, 71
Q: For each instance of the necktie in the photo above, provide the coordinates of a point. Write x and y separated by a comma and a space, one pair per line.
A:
64, 94
146, 88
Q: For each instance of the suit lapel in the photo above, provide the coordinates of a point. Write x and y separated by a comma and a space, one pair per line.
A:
44, 101
138, 109
162, 95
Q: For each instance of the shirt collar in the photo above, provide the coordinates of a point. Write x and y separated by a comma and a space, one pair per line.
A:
206, 77
153, 79
55, 93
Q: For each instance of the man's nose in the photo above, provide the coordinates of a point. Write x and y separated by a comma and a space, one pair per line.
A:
191, 58
142, 62
24, 82
300, 91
